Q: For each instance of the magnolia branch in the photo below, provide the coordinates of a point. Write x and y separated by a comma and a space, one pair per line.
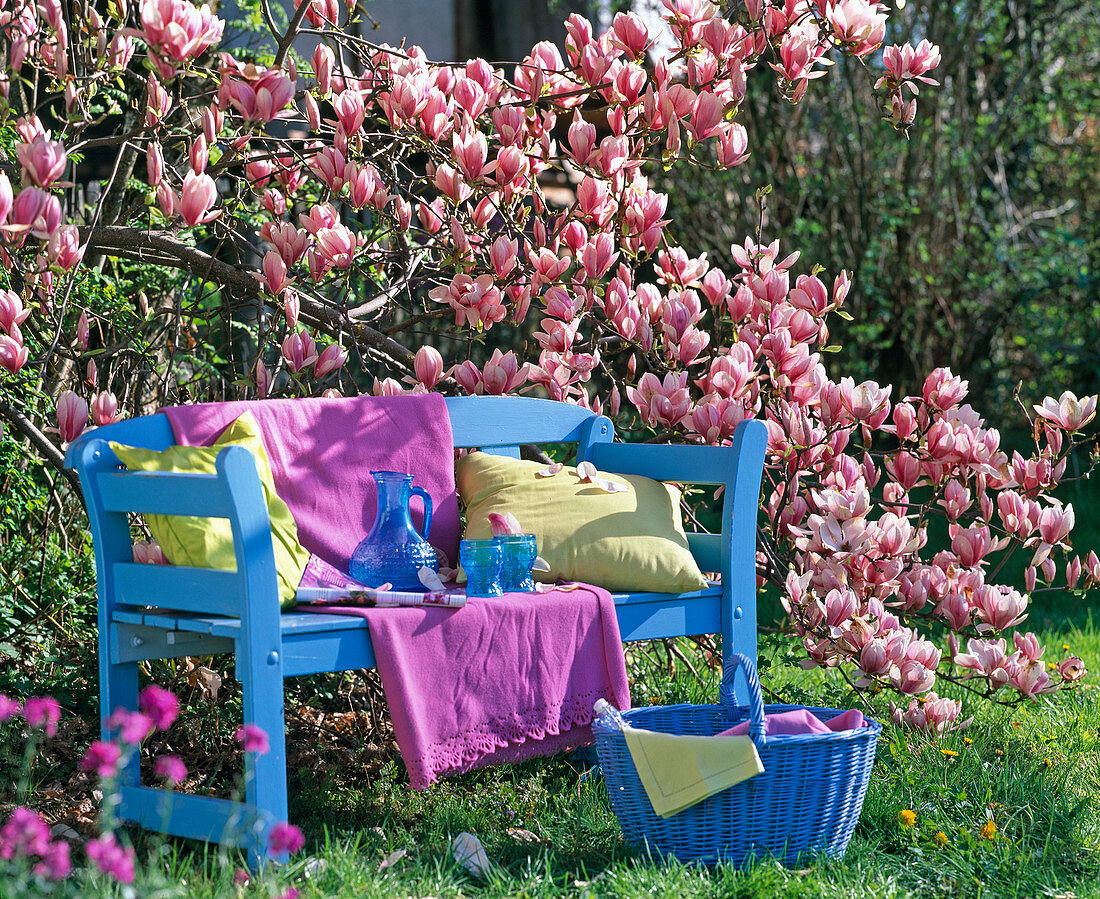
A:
137, 243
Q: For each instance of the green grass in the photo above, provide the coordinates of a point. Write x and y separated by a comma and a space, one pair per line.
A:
1034, 770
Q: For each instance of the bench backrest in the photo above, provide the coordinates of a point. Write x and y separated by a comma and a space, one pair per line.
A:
495, 424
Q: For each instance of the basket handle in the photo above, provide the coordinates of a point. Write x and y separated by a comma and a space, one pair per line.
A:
727, 695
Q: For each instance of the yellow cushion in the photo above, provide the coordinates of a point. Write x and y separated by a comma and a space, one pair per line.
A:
208, 542
632, 541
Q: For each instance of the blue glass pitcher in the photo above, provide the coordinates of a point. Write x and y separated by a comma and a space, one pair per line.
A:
394, 552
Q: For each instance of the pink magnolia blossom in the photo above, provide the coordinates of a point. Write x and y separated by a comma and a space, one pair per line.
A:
336, 246
908, 63
157, 102
72, 416
197, 199
178, 30
6, 198
13, 354
477, 302
299, 350
930, 714
665, 402
1071, 669
1067, 411
104, 408
259, 95
428, 366
36, 211
858, 23
43, 160
332, 357
503, 373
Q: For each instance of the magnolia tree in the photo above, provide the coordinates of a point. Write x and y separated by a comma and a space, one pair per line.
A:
366, 210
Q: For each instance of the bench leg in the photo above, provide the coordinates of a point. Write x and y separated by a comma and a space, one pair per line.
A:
261, 677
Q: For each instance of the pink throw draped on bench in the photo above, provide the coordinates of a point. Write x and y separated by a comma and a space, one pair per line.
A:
500, 680
322, 451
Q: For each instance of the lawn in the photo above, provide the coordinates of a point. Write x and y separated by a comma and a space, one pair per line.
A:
1007, 807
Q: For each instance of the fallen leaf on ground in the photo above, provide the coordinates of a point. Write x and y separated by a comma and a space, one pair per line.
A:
524, 836
469, 853
392, 859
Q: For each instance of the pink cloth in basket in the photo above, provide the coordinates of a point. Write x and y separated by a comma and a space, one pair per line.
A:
323, 450
501, 679
801, 721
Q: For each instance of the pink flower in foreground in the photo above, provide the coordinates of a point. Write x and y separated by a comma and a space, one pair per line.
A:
12, 313
133, 727
56, 863
170, 768
252, 739
24, 833
101, 759
9, 708
286, 838
160, 705
504, 524
42, 713
72, 416
37, 212
113, 859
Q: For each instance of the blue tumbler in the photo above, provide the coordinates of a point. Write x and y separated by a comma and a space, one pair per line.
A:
481, 560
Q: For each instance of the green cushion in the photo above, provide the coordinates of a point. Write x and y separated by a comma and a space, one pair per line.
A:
632, 541
208, 542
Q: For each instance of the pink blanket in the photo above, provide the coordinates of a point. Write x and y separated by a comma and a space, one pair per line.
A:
500, 680
322, 452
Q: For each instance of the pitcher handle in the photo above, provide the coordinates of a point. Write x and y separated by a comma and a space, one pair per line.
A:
423, 494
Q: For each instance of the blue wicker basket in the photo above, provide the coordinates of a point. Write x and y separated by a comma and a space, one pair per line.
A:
806, 802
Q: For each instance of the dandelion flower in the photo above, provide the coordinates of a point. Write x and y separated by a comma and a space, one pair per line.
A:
950, 753
967, 740
989, 830
906, 818
940, 838
1048, 763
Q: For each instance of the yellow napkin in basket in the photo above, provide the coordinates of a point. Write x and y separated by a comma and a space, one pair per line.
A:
679, 771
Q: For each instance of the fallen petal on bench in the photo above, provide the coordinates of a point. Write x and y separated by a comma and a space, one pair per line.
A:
430, 579
550, 470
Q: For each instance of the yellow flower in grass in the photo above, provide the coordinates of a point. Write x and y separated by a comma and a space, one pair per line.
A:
940, 838
967, 740
906, 818
1048, 763
989, 830
950, 753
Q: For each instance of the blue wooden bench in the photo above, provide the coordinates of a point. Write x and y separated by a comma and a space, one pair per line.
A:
150, 612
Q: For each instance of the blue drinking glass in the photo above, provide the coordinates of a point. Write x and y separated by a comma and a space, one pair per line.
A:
519, 553
481, 560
